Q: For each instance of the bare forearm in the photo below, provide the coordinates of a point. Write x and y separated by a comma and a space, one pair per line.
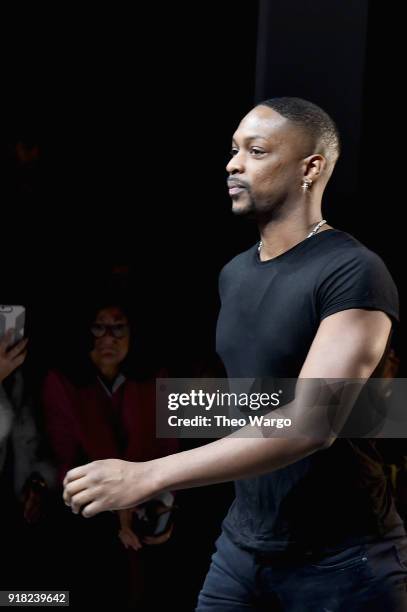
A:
113, 484
228, 459
252, 451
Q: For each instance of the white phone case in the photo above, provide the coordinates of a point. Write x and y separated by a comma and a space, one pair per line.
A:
12, 317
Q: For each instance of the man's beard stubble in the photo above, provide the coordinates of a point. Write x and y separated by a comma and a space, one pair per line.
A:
264, 212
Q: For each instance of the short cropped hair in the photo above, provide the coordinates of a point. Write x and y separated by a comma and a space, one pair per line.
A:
320, 127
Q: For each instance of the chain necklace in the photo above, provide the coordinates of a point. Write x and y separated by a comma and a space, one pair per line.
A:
314, 231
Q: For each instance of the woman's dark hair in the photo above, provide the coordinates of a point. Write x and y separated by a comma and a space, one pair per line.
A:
76, 363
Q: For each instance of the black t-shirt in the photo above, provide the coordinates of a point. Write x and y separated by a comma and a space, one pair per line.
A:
270, 313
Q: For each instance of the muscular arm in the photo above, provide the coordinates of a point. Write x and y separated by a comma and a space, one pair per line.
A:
348, 344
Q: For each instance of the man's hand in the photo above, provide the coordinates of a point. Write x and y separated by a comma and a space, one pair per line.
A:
109, 484
10, 359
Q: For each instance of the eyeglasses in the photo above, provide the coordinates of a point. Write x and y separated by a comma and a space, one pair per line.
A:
118, 330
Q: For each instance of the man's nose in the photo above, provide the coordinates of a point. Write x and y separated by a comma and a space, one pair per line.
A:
235, 165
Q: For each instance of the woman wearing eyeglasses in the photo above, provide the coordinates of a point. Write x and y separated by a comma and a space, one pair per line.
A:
103, 405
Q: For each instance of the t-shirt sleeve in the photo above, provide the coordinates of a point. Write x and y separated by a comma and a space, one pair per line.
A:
358, 279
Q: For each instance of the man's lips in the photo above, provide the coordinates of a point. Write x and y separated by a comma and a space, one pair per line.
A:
235, 188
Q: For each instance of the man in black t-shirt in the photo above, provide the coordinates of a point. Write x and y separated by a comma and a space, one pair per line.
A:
275, 314
312, 526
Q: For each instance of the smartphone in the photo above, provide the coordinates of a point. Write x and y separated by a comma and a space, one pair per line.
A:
12, 317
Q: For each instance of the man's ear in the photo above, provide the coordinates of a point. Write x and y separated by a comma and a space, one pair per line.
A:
314, 166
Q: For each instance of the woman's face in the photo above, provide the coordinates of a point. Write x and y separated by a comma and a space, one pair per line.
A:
111, 333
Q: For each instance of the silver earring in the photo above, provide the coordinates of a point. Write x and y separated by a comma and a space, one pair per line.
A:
306, 184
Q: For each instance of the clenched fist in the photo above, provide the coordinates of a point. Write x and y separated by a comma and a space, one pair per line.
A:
109, 484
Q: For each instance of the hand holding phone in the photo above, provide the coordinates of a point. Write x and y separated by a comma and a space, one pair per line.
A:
12, 318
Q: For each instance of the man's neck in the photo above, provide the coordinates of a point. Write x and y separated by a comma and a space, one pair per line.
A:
280, 235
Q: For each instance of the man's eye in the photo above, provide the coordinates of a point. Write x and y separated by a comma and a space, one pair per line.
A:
233, 151
256, 151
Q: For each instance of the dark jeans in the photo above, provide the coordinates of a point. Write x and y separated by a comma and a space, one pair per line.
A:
364, 578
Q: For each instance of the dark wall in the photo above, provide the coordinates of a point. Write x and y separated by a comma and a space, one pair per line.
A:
317, 51
333, 53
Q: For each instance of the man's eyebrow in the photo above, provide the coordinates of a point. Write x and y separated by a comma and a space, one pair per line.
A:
249, 138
